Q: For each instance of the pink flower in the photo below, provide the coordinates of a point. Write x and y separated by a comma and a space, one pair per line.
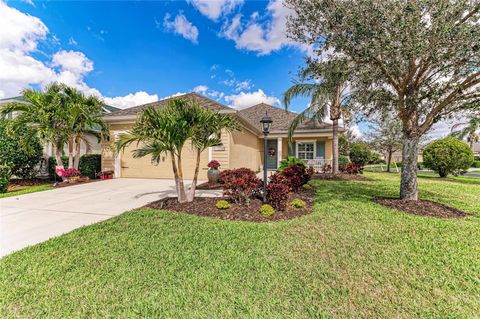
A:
213, 164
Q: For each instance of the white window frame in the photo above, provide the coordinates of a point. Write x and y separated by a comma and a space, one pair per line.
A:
304, 142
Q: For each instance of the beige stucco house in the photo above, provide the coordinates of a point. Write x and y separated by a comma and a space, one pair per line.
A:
311, 142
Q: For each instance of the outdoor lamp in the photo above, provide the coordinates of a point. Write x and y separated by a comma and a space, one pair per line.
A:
266, 121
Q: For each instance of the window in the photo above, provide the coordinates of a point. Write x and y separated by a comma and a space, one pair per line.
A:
306, 150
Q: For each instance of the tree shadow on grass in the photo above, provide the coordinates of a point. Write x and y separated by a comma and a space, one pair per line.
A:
469, 181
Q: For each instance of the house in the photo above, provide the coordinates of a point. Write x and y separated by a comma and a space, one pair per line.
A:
476, 149
312, 141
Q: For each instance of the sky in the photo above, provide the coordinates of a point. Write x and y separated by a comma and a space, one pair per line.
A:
131, 53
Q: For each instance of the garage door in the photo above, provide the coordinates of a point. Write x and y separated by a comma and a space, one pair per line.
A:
143, 168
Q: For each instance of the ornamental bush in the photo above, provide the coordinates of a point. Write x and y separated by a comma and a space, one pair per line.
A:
241, 185
448, 155
267, 210
51, 166
476, 164
353, 169
360, 154
277, 195
90, 164
297, 203
296, 175
222, 204
22, 159
5, 175
289, 161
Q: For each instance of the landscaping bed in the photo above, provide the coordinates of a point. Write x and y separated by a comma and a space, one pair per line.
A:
205, 206
421, 207
19, 184
209, 186
340, 177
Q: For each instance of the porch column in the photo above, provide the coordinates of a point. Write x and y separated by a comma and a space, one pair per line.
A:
279, 150
118, 160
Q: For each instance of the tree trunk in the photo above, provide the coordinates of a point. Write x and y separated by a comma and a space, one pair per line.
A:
191, 194
76, 161
58, 159
389, 160
70, 153
335, 147
408, 183
182, 197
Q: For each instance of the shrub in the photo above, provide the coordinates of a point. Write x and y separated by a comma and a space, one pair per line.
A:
277, 195
90, 165
307, 187
289, 161
327, 168
360, 154
241, 185
278, 178
22, 159
343, 161
5, 175
297, 203
222, 204
476, 164
310, 172
69, 172
448, 156
353, 169
296, 175
52, 163
267, 210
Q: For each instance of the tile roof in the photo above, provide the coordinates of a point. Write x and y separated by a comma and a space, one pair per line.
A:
202, 100
280, 117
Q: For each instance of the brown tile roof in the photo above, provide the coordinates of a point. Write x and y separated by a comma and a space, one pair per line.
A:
202, 100
280, 117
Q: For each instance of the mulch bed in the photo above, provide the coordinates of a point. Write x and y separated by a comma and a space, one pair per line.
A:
205, 206
340, 177
421, 207
209, 186
19, 184
66, 184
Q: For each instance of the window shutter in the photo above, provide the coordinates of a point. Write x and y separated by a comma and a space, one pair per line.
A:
291, 148
320, 149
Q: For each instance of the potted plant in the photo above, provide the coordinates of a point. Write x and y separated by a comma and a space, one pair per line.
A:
213, 172
105, 175
71, 174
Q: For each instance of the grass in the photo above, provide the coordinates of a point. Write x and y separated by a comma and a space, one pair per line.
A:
26, 190
350, 258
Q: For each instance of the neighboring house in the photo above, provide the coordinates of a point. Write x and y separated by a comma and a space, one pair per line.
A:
476, 149
95, 146
312, 141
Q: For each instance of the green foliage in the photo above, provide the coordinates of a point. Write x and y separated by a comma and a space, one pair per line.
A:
90, 164
51, 166
297, 203
19, 149
476, 164
289, 161
222, 204
267, 210
5, 175
360, 154
343, 160
307, 186
448, 155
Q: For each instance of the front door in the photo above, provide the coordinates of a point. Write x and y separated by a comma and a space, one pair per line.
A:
272, 154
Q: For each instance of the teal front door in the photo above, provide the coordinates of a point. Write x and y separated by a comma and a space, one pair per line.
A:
272, 154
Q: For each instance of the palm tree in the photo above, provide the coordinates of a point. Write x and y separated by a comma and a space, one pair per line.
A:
470, 130
45, 113
85, 114
328, 94
167, 130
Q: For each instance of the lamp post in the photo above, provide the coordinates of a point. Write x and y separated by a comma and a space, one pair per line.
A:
266, 121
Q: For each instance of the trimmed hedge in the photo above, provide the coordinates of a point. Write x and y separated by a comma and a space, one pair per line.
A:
5, 175
88, 166
447, 156
360, 154
476, 164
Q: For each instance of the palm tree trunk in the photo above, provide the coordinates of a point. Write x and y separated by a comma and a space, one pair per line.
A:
58, 159
191, 194
78, 141
182, 196
335, 147
70, 152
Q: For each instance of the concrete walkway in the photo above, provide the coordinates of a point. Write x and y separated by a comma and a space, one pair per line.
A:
32, 218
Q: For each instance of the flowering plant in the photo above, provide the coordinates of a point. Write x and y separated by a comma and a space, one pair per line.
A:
213, 164
69, 172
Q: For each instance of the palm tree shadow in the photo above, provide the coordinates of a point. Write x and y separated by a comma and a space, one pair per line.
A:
451, 180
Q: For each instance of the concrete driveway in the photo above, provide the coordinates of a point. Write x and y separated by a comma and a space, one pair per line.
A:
32, 218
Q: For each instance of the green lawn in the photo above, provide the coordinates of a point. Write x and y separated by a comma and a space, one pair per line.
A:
27, 190
350, 258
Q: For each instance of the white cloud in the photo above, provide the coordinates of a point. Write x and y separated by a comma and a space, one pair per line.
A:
20, 34
131, 99
262, 37
180, 25
72, 41
214, 9
173, 95
202, 89
244, 100
243, 85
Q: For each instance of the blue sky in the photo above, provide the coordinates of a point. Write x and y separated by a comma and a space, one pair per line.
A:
135, 52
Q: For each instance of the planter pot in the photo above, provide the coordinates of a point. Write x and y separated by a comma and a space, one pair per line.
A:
213, 176
73, 179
